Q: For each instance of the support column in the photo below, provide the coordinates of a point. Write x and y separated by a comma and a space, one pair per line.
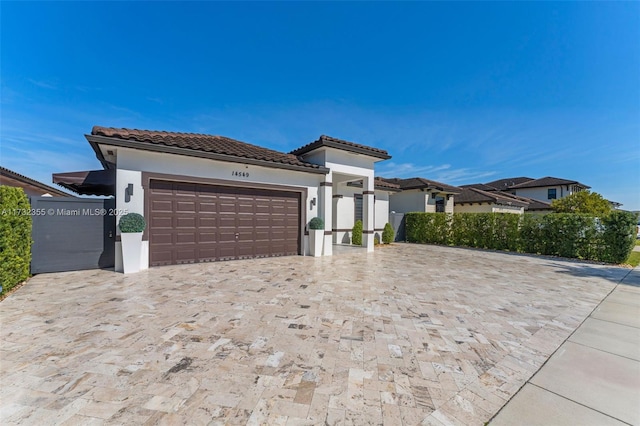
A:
368, 209
326, 210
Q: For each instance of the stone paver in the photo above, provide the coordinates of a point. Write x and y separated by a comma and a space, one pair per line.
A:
406, 335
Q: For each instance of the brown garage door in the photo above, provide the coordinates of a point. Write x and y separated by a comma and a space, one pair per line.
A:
192, 222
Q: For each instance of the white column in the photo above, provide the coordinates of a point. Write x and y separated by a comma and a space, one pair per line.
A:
326, 209
368, 211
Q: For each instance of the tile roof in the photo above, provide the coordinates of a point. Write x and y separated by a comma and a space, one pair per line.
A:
548, 181
473, 195
30, 186
481, 186
177, 142
502, 184
383, 184
330, 142
378, 183
422, 183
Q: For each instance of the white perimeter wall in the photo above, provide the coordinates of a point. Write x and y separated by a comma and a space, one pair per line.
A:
488, 208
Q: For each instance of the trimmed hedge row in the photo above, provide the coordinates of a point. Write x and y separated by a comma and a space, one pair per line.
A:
607, 239
15, 237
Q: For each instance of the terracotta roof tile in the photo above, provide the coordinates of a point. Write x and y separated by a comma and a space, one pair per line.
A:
419, 183
330, 142
378, 183
204, 143
473, 195
548, 181
503, 184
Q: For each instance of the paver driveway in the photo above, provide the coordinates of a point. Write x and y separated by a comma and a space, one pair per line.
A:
409, 334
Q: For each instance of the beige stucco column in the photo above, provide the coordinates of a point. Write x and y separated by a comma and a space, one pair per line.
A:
368, 223
326, 210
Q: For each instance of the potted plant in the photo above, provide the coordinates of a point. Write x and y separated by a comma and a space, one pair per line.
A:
131, 227
316, 236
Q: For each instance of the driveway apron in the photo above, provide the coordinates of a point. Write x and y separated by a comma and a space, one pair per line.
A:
408, 334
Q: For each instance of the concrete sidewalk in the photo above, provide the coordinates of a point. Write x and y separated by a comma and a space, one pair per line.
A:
594, 377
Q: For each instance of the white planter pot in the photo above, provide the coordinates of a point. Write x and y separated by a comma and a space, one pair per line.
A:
316, 238
131, 251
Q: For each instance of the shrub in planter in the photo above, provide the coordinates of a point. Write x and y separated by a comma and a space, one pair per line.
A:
15, 237
132, 222
316, 236
356, 233
388, 234
316, 223
131, 227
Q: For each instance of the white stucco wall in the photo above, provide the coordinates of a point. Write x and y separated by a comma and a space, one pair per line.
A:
131, 163
343, 213
474, 208
542, 193
488, 208
381, 209
449, 204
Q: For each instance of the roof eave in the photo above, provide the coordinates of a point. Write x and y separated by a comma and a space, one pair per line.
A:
336, 145
96, 140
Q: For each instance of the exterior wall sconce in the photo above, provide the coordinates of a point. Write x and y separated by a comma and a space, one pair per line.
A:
448, 196
128, 193
312, 203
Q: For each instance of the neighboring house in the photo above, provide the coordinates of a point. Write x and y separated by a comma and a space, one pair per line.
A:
505, 184
539, 193
473, 200
547, 188
208, 198
421, 195
31, 187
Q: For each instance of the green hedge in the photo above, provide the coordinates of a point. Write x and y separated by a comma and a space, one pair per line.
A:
608, 239
15, 237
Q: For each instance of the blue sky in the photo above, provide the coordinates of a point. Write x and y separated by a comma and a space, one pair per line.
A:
456, 92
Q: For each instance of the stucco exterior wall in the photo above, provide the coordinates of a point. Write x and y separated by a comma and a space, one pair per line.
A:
542, 193
131, 163
474, 208
449, 204
488, 208
381, 209
343, 212
508, 209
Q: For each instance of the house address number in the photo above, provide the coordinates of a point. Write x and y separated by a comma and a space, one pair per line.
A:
236, 173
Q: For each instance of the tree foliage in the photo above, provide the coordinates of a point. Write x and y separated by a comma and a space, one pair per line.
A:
583, 202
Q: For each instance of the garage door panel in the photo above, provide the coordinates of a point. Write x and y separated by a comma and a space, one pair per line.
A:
207, 222
208, 207
185, 222
207, 237
201, 223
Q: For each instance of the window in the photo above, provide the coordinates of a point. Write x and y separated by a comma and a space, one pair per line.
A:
551, 194
357, 198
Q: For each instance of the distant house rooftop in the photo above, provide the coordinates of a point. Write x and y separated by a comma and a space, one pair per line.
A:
422, 183
30, 186
547, 181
